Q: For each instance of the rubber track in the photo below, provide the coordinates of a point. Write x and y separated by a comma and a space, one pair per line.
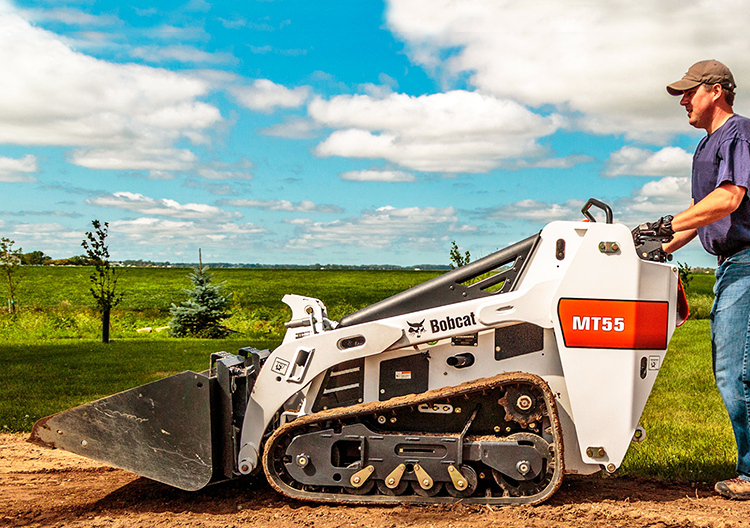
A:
347, 413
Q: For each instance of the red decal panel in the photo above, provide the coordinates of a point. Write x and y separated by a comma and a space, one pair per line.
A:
594, 323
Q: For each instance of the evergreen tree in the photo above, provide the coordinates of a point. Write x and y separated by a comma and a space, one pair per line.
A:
203, 313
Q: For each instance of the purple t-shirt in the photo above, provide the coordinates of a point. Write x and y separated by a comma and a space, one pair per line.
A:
724, 156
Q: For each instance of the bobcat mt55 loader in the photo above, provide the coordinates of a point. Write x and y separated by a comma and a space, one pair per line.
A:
486, 384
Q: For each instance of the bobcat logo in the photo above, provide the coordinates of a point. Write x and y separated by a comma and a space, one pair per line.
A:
416, 329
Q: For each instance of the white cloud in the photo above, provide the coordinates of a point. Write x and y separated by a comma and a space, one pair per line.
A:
457, 131
53, 95
154, 231
17, 170
294, 128
70, 16
608, 60
160, 207
136, 158
267, 96
215, 174
632, 161
657, 198
45, 236
383, 228
305, 206
181, 53
378, 176
557, 163
535, 211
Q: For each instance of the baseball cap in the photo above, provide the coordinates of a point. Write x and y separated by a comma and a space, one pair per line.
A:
703, 72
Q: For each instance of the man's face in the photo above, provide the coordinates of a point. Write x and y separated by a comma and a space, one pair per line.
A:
699, 104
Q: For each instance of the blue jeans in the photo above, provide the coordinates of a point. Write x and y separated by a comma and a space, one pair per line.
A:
730, 344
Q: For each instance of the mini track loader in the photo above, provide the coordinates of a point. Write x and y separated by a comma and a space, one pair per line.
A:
486, 384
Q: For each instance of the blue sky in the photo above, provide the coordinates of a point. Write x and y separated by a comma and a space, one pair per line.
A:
352, 132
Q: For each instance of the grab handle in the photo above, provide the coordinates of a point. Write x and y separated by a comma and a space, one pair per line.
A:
601, 205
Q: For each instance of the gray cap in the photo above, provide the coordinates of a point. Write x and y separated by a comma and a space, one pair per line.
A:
703, 72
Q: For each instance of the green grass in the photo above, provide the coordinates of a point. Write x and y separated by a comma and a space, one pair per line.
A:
689, 437
154, 289
54, 302
42, 379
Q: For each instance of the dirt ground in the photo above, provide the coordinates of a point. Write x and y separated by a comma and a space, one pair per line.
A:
41, 487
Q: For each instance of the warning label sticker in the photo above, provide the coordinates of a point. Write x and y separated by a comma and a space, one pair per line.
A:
280, 366
403, 374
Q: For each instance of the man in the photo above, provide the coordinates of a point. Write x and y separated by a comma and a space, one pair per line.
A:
720, 215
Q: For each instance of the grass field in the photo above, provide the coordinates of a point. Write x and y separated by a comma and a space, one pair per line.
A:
689, 437
54, 302
51, 359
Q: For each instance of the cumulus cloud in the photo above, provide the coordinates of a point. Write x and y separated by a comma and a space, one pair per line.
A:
378, 176
18, 170
159, 207
305, 206
668, 195
534, 211
123, 116
457, 131
381, 228
607, 61
657, 198
266, 96
46, 236
155, 231
632, 161
135, 158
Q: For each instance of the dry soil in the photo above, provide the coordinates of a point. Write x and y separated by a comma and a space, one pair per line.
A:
42, 487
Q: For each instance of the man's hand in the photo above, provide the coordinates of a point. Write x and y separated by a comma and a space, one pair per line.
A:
661, 229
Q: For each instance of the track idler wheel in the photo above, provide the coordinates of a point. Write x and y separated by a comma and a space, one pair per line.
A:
436, 488
532, 486
467, 480
364, 489
400, 488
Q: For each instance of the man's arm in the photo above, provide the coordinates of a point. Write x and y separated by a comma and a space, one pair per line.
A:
722, 201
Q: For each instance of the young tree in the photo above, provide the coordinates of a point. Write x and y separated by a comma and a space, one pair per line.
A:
683, 269
10, 260
457, 259
104, 277
202, 315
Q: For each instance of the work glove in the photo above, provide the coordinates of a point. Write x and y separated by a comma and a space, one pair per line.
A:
661, 229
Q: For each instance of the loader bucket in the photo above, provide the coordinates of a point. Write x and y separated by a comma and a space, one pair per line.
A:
161, 430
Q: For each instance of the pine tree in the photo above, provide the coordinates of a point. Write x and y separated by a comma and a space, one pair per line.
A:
202, 315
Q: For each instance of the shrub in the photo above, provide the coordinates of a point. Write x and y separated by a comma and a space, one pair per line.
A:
203, 314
